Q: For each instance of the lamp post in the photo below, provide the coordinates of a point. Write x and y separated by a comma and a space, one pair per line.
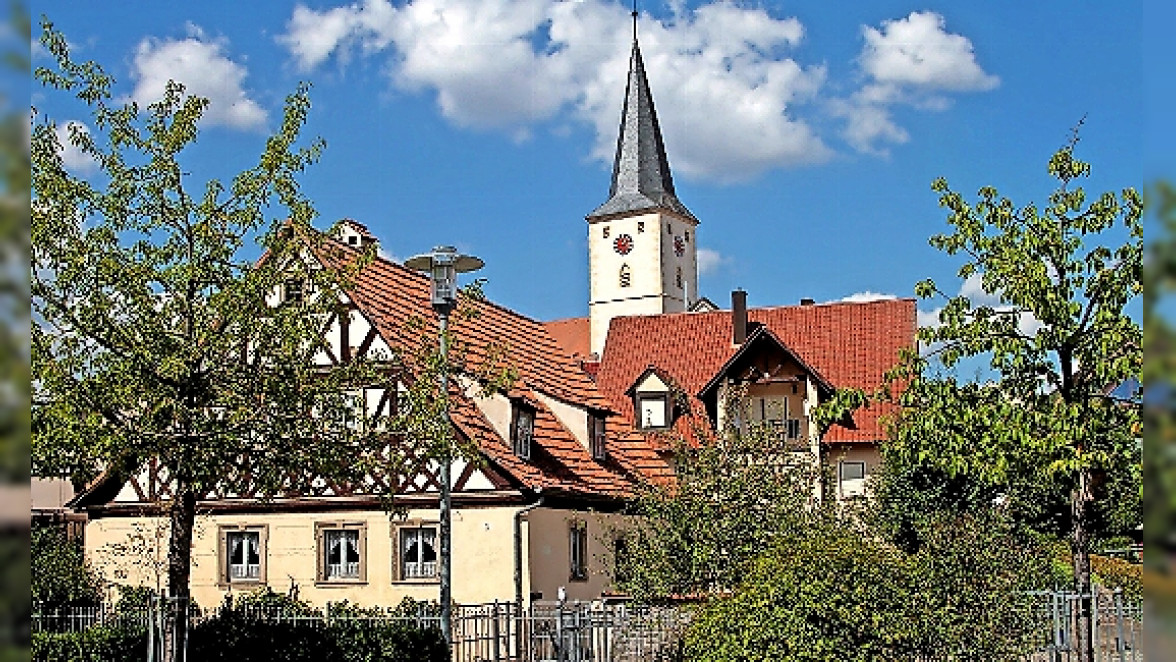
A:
443, 265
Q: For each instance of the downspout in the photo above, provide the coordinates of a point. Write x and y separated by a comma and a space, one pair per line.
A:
518, 549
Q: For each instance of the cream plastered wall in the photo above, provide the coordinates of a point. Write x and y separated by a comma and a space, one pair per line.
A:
483, 548
549, 553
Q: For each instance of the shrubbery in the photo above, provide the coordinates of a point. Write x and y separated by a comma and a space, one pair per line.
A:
831, 590
265, 627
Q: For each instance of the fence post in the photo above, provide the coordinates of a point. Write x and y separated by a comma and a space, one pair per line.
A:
1119, 642
494, 633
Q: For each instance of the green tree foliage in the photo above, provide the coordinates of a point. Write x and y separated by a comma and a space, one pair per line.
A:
61, 577
830, 589
155, 339
728, 503
1059, 337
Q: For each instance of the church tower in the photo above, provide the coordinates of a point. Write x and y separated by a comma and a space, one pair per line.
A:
642, 248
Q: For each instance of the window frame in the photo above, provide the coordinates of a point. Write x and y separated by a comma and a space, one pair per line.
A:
667, 414
293, 291
224, 567
841, 478
518, 411
398, 531
597, 436
322, 529
577, 551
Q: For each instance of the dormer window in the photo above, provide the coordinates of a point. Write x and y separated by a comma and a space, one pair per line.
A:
522, 430
353, 240
653, 410
292, 291
596, 436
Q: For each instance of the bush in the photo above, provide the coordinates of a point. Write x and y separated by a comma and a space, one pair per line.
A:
250, 629
832, 590
60, 575
1115, 573
97, 644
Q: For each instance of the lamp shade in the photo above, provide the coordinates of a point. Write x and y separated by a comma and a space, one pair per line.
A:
443, 265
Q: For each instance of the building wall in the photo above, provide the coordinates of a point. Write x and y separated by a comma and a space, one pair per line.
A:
870, 454
132, 550
549, 553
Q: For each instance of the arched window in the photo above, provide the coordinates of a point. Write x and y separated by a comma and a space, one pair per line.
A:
626, 276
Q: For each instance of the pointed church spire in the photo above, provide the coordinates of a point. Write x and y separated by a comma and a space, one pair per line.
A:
641, 177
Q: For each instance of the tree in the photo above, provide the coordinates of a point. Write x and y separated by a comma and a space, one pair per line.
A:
61, 577
730, 499
155, 340
1057, 341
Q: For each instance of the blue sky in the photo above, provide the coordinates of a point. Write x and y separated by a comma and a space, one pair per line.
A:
804, 136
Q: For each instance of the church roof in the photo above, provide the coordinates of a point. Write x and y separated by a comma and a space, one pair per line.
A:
641, 178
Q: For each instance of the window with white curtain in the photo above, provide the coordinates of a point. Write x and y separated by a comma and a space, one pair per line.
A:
242, 553
418, 552
342, 552
244, 549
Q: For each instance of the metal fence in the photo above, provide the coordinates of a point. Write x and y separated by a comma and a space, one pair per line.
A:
598, 632
1118, 627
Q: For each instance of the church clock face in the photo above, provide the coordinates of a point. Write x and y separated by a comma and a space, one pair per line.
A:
679, 246
623, 244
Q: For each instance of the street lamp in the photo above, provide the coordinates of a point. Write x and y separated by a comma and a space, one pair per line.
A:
443, 265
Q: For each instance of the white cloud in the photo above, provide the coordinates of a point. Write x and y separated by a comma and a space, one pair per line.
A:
912, 61
508, 64
917, 51
733, 99
71, 155
204, 69
709, 261
866, 296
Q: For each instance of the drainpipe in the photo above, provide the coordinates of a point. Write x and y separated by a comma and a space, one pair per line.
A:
518, 550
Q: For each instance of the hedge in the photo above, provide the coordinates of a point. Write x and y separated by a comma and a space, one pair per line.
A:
236, 634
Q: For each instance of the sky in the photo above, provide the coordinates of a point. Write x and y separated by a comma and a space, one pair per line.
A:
804, 136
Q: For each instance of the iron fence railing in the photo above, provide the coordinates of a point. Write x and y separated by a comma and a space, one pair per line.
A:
599, 632
1118, 627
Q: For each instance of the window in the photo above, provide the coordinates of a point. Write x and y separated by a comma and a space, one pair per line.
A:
686, 235
596, 436
522, 430
242, 554
641, 226
653, 408
851, 478
342, 553
774, 412
606, 232
678, 278
626, 276
292, 291
578, 551
620, 559
353, 240
418, 552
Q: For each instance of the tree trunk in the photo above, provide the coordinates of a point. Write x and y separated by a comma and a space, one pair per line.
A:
182, 515
1082, 501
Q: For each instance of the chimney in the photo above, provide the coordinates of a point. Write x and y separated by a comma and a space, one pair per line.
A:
807, 301
739, 316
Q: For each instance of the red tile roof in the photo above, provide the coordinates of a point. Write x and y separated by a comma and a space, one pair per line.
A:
571, 334
395, 299
849, 344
